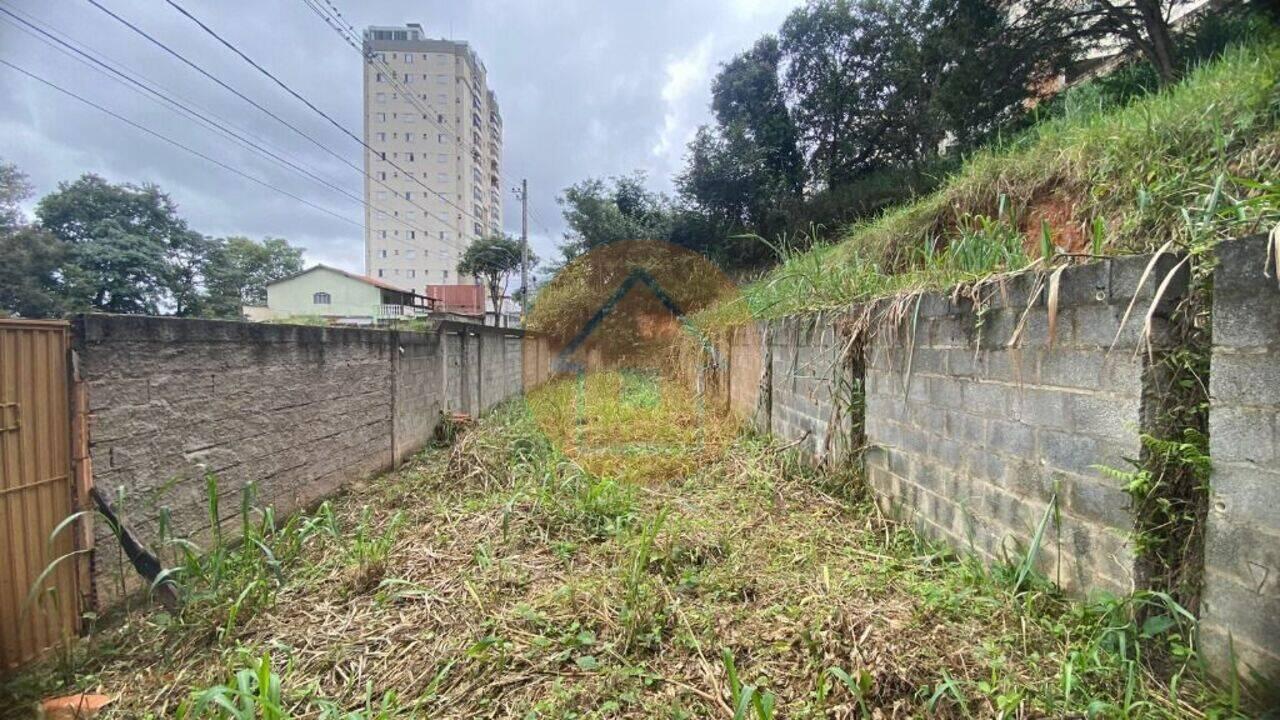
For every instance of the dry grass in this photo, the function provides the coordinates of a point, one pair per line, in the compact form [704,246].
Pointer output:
[529,579]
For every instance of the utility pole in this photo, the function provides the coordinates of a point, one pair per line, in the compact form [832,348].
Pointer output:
[524,248]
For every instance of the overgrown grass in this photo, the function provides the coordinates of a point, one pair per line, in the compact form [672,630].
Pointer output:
[1115,180]
[518,583]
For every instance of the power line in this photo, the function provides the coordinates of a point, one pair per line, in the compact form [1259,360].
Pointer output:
[259,106]
[175,143]
[335,20]
[181,108]
[309,104]
[78,45]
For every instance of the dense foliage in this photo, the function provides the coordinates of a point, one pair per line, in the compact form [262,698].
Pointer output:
[124,248]
[857,106]
[1189,165]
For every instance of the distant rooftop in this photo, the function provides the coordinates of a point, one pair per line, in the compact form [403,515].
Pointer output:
[411,38]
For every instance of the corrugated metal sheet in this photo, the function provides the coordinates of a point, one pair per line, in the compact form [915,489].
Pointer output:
[35,490]
[462,299]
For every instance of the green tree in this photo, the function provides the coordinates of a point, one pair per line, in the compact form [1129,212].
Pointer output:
[128,250]
[749,167]
[29,262]
[238,270]
[621,208]
[841,67]
[494,259]
[29,256]
[1088,24]
[747,94]
[887,83]
[14,188]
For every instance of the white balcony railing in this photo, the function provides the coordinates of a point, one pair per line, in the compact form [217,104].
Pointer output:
[397,312]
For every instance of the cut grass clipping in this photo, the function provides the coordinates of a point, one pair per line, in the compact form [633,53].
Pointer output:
[502,577]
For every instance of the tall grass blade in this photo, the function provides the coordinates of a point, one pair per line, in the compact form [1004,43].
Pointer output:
[1148,321]
[1142,281]
[1054,283]
[1033,550]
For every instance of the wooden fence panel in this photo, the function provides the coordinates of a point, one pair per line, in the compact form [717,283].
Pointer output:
[36,492]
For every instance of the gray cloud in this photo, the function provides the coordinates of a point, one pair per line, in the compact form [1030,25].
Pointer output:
[587,88]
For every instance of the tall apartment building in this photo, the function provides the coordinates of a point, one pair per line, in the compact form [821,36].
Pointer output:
[434,180]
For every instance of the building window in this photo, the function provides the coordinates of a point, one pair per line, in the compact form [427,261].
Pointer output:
[320,298]
[382,253]
[381,272]
[446,274]
[411,254]
[408,58]
[412,272]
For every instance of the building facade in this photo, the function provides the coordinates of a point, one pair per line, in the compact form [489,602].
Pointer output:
[433,177]
[338,297]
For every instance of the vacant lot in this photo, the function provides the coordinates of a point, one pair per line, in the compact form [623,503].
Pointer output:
[610,549]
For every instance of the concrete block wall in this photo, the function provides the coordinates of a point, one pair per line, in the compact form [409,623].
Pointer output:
[976,420]
[497,368]
[809,378]
[969,434]
[1241,601]
[297,411]
[454,371]
[471,372]
[417,373]
[748,386]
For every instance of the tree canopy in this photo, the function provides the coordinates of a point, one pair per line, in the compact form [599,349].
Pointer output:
[620,208]
[128,250]
[494,259]
[239,269]
[124,248]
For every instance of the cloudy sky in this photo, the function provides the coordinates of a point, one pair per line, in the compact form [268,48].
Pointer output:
[587,88]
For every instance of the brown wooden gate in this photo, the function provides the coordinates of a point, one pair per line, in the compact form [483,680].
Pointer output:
[36,490]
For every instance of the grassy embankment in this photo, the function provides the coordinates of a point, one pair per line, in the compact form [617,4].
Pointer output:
[610,550]
[1192,164]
